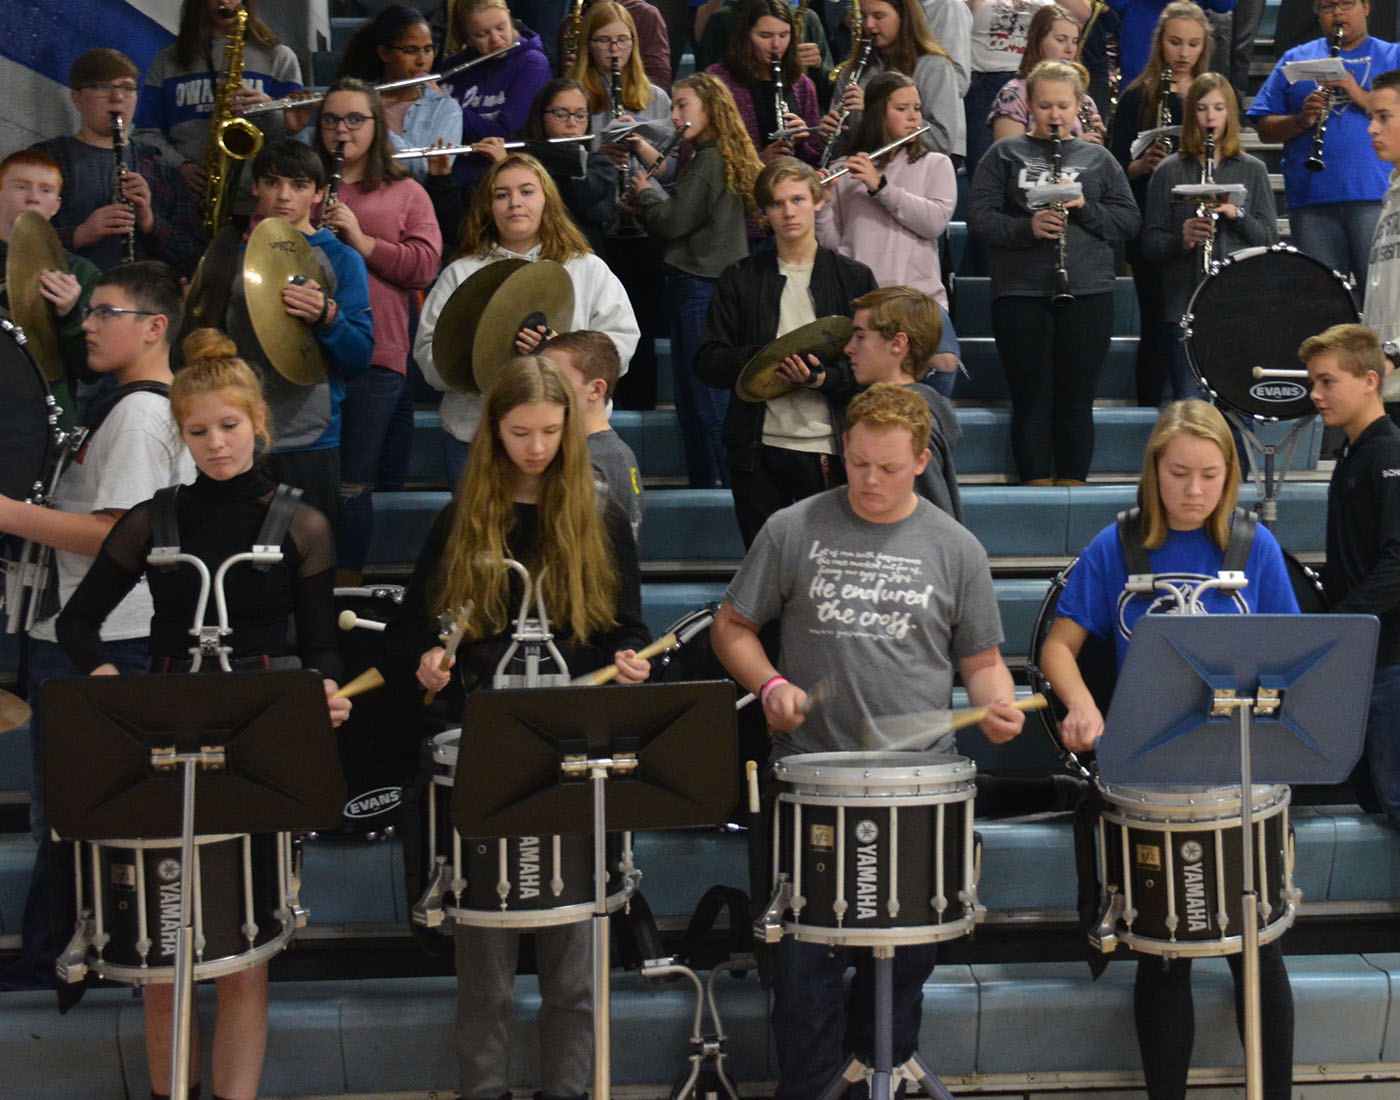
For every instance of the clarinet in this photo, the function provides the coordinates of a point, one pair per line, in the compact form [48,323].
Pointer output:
[856,74]
[672,144]
[780,107]
[1164,108]
[333,188]
[118,192]
[1208,176]
[1315,163]
[1061,297]
[624,171]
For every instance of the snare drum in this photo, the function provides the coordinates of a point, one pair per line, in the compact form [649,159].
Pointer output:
[1253,311]
[28,419]
[245,906]
[1169,864]
[509,882]
[875,848]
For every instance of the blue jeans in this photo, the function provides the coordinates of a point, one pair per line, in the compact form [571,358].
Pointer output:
[454,458]
[1383,740]
[981,94]
[1339,234]
[942,381]
[365,415]
[700,409]
[817,1026]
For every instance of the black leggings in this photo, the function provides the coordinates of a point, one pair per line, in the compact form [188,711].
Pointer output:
[1053,358]
[1166,1022]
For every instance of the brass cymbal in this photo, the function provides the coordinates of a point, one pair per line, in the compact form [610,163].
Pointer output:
[824,338]
[276,253]
[540,293]
[454,336]
[206,301]
[34,247]
[14,711]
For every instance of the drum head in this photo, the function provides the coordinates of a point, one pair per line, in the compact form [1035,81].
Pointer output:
[1254,311]
[26,436]
[1098,664]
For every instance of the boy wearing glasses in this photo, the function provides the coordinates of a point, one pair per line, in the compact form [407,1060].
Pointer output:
[289,181]
[133,448]
[1332,213]
[158,207]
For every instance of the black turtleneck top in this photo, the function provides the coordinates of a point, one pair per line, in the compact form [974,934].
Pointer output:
[216,519]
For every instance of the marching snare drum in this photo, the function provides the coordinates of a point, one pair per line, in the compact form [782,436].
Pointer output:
[245,906]
[1254,310]
[1169,864]
[509,882]
[875,848]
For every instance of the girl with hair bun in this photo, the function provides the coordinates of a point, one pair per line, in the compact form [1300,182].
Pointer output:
[219,410]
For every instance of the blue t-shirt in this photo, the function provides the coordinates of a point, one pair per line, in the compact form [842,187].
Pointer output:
[1353,173]
[1095,596]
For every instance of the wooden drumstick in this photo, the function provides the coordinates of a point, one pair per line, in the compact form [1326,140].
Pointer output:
[970,716]
[368,680]
[751,775]
[451,640]
[605,675]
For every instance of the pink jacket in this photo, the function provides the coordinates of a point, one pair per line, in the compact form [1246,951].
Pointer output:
[896,232]
[406,257]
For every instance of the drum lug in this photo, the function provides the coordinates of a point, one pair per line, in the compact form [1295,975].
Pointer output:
[428,912]
[768,927]
[72,961]
[1104,935]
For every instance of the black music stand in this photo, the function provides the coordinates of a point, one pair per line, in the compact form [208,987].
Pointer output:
[1200,697]
[541,760]
[125,757]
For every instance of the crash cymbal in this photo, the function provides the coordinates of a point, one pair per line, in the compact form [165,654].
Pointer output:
[34,247]
[206,301]
[14,712]
[540,293]
[454,335]
[824,338]
[276,254]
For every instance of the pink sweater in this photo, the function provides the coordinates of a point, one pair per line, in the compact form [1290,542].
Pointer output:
[406,257]
[896,232]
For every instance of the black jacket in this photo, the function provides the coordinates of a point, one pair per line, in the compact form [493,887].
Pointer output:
[1362,574]
[743,317]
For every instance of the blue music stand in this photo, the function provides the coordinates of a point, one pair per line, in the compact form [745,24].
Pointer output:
[1199,697]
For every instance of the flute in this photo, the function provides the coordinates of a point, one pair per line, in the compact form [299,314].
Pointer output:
[880,152]
[407,82]
[462,150]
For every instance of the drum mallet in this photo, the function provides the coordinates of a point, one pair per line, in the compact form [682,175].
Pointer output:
[605,675]
[1278,372]
[348,620]
[368,680]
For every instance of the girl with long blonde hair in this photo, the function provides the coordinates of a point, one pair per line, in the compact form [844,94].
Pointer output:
[527,496]
[516,213]
[704,226]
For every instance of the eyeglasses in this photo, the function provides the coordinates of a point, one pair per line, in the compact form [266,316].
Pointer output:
[103,314]
[1339,6]
[621,42]
[563,114]
[124,88]
[352,122]
[414,51]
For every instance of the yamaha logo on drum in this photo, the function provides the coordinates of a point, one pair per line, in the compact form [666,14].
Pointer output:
[1278,393]
[867,832]
[168,870]
[1191,851]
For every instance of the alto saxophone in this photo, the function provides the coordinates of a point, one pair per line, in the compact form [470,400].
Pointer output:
[232,140]
[573,37]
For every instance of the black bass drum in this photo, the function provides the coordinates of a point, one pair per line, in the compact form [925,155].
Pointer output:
[27,419]
[1253,311]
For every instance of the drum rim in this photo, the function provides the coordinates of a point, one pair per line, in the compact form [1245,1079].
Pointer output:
[827,769]
[573,913]
[1200,949]
[900,934]
[208,968]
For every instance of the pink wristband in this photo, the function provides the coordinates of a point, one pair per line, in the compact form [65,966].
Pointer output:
[768,686]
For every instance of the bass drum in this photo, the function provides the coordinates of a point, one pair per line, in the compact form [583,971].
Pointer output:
[1253,311]
[27,419]
[1098,659]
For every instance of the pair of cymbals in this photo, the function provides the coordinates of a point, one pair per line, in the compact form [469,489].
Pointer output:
[825,338]
[475,333]
[278,254]
[34,247]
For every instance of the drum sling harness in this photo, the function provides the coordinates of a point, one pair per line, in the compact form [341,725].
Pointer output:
[165,531]
[1143,582]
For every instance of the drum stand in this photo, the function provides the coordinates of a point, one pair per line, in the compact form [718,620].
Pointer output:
[1308,677]
[27,580]
[1277,459]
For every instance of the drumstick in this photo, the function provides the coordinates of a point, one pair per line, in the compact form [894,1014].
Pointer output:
[899,731]
[368,680]
[451,640]
[604,675]
[970,716]
[751,774]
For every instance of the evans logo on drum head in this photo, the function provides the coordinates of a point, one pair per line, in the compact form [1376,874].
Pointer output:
[867,832]
[1278,392]
[374,802]
[1191,851]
